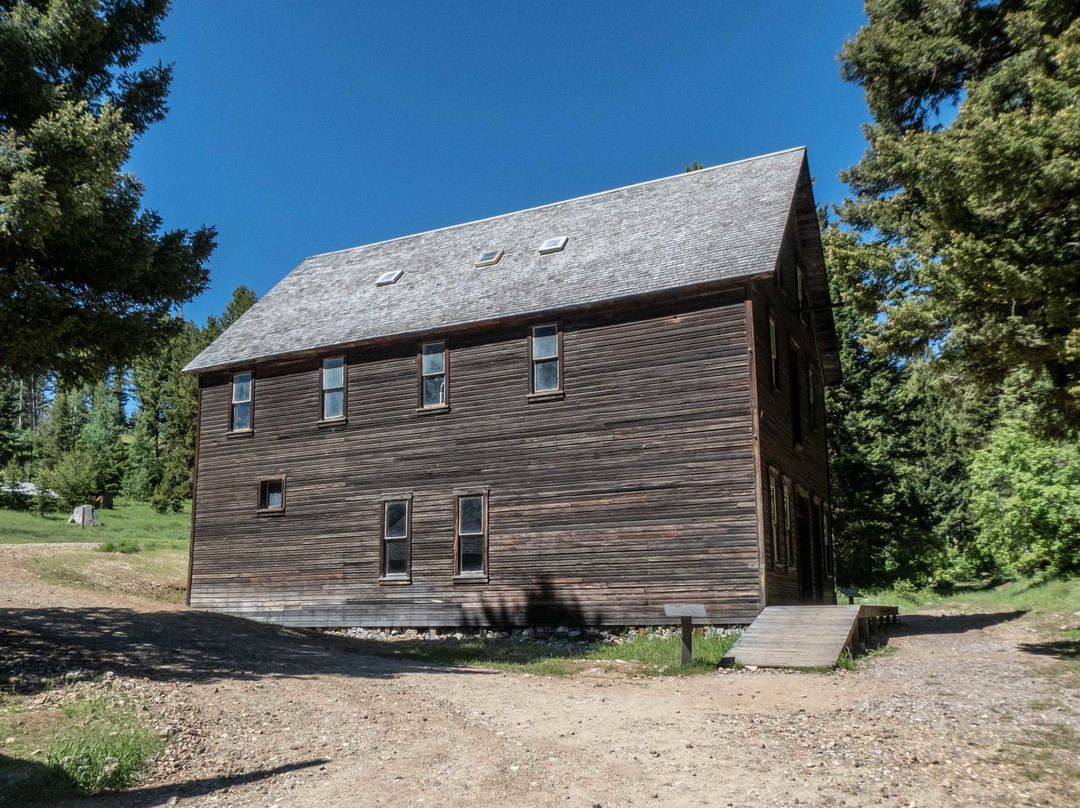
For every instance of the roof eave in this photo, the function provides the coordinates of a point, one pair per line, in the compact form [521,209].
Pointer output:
[695,291]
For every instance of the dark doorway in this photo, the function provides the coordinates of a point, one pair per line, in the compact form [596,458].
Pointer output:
[819,553]
[802,540]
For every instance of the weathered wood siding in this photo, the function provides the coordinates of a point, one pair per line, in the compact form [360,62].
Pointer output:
[804,464]
[638,488]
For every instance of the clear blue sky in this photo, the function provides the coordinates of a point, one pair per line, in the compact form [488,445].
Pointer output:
[303,127]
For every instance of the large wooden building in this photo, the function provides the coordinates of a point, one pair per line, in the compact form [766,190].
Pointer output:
[571,414]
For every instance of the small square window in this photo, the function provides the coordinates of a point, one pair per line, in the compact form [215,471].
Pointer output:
[389,278]
[272,494]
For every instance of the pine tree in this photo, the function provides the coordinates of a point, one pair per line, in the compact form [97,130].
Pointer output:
[101,437]
[986,204]
[899,444]
[87,277]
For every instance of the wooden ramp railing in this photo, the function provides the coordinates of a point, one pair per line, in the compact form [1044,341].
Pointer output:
[805,636]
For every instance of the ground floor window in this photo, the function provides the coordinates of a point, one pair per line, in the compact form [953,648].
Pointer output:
[395,538]
[470,535]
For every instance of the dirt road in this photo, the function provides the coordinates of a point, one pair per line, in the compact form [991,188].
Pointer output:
[258,716]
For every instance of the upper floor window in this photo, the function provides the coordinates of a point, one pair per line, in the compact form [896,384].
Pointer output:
[240,418]
[811,396]
[333,388]
[546,359]
[433,374]
[800,294]
[774,355]
[795,378]
[470,535]
[395,543]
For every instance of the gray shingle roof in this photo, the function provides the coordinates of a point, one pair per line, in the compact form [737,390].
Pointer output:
[705,226]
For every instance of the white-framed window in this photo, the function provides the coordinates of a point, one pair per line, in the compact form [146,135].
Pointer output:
[470,534]
[240,418]
[545,354]
[333,388]
[433,374]
[396,550]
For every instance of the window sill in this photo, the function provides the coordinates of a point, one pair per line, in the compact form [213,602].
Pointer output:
[332,422]
[471,578]
[433,410]
[240,433]
[395,580]
[546,395]
[270,512]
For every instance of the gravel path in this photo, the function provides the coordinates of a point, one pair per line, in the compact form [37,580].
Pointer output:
[260,716]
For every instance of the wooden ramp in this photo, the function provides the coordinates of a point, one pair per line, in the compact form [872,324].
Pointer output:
[804,636]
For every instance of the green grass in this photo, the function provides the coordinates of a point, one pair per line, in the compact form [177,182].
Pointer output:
[126,546]
[158,575]
[1035,597]
[647,656]
[92,745]
[130,523]
[665,653]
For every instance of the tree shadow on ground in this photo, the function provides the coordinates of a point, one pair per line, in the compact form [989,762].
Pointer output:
[41,647]
[146,796]
[1059,649]
[915,624]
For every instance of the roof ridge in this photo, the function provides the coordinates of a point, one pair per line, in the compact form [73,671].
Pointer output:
[554,204]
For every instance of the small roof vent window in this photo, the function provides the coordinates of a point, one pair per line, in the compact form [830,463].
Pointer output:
[388,278]
[489,258]
[553,245]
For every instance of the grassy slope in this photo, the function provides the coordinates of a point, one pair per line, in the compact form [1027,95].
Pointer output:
[154,559]
[128,521]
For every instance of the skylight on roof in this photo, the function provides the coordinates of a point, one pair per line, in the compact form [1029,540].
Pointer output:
[388,278]
[489,258]
[553,245]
